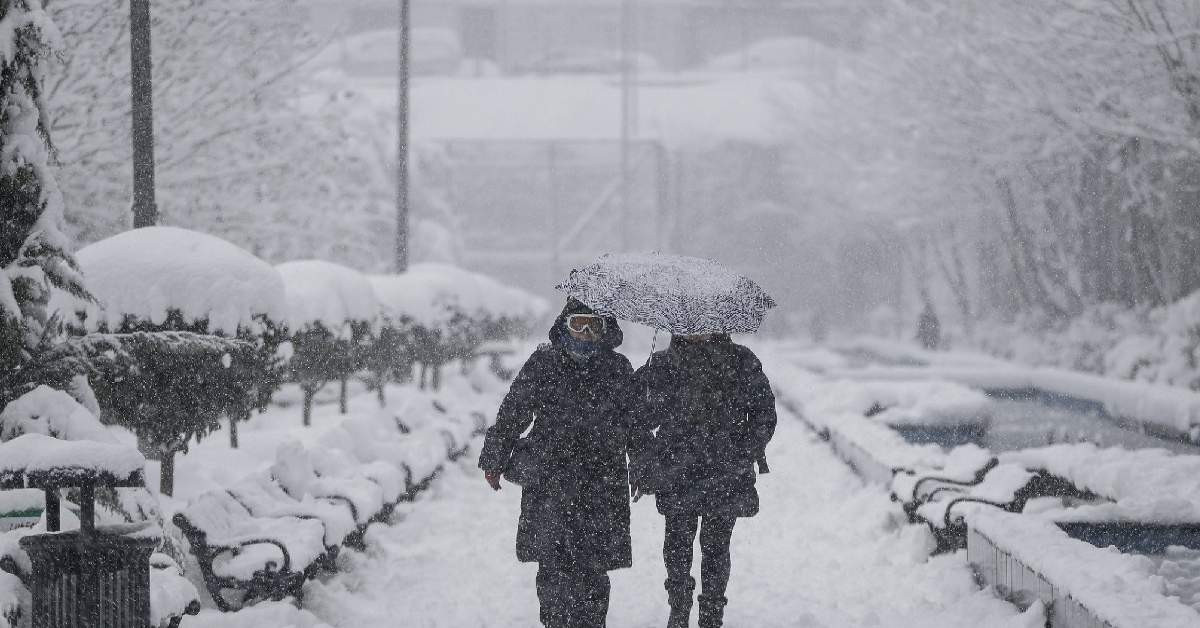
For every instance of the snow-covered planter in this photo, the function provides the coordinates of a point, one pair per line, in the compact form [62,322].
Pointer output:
[450,312]
[199,320]
[332,317]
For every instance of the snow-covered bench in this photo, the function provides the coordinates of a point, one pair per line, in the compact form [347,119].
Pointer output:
[943,497]
[261,557]
[273,529]
[263,496]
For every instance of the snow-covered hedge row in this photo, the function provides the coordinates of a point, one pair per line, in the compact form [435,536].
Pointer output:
[337,321]
[167,293]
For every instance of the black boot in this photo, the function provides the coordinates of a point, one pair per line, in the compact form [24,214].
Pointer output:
[712,611]
[679,596]
[680,615]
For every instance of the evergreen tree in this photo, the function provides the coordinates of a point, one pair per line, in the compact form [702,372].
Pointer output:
[34,260]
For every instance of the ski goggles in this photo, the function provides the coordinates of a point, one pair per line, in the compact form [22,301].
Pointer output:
[581,323]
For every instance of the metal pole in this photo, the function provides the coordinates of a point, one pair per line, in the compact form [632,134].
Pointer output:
[402,142]
[145,211]
[626,115]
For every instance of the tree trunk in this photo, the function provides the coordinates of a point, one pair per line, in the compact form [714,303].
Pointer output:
[308,406]
[436,379]
[233,434]
[166,479]
[343,400]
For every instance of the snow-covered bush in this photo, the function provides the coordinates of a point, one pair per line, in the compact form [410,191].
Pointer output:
[198,323]
[332,317]
[450,312]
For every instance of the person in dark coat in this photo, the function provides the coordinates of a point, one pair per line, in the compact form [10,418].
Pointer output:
[580,396]
[714,413]
[929,330]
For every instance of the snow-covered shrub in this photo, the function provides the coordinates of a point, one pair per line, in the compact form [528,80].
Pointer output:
[452,312]
[332,316]
[390,355]
[198,323]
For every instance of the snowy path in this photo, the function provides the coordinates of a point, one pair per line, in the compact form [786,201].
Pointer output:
[825,552]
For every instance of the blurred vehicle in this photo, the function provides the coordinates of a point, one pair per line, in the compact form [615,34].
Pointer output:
[584,61]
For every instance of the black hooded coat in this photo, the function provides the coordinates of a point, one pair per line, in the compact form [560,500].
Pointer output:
[712,412]
[575,510]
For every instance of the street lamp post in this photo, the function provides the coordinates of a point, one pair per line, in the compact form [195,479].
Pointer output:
[402,231]
[145,211]
[628,115]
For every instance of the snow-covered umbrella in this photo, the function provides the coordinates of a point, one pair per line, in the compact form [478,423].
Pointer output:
[681,295]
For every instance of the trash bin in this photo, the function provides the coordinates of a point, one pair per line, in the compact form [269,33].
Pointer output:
[96,580]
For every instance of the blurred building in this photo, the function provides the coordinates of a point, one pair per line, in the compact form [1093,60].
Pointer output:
[581,35]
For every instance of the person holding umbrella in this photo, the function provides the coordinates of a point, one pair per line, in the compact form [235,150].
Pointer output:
[580,397]
[713,411]
[708,409]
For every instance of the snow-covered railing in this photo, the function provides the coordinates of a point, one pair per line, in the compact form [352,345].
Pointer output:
[1026,557]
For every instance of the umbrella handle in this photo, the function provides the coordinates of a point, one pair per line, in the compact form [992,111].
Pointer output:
[653,346]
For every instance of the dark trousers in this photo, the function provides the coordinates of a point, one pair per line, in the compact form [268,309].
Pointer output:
[572,596]
[715,533]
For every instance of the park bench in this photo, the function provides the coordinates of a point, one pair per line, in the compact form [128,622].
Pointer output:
[943,502]
[262,496]
[262,557]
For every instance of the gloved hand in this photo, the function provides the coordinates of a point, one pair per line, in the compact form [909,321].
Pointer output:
[493,479]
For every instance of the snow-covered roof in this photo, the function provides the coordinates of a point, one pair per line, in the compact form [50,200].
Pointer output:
[327,293]
[426,292]
[148,272]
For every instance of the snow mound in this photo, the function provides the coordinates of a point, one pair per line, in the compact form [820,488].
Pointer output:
[327,293]
[50,412]
[431,294]
[930,402]
[148,272]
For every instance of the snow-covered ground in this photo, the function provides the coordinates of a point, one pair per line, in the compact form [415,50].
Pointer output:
[825,551]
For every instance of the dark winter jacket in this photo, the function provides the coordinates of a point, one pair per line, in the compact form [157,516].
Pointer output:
[576,510]
[714,413]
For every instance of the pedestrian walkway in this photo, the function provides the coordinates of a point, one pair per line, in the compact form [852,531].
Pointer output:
[826,551]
